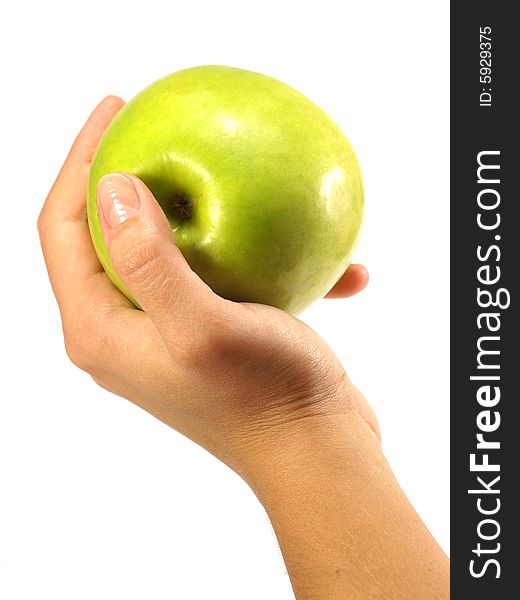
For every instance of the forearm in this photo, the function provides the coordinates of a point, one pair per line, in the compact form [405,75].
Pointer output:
[345,528]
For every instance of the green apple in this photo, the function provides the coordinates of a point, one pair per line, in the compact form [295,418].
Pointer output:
[263,190]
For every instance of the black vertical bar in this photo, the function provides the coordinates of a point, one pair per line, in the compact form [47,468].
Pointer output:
[485,123]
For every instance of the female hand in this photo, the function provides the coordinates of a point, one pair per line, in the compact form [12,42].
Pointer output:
[236,378]
[250,383]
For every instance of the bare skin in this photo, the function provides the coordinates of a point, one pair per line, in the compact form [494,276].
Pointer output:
[253,385]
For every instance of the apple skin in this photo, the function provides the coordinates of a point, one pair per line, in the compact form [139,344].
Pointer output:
[270,185]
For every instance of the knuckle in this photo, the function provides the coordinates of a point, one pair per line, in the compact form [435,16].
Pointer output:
[86,345]
[76,351]
[41,222]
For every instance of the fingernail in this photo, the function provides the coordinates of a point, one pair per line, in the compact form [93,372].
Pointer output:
[117,198]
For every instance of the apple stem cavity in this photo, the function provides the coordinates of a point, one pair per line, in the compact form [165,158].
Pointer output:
[182,206]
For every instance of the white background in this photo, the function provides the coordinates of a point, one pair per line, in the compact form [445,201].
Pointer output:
[97,498]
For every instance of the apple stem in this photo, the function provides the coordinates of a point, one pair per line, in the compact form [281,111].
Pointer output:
[183,206]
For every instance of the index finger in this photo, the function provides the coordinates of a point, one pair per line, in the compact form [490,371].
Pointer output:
[73,267]
[74,171]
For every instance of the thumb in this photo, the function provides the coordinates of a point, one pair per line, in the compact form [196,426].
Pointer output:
[141,245]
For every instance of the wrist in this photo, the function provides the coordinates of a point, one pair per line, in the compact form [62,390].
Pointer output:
[344,526]
[303,448]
